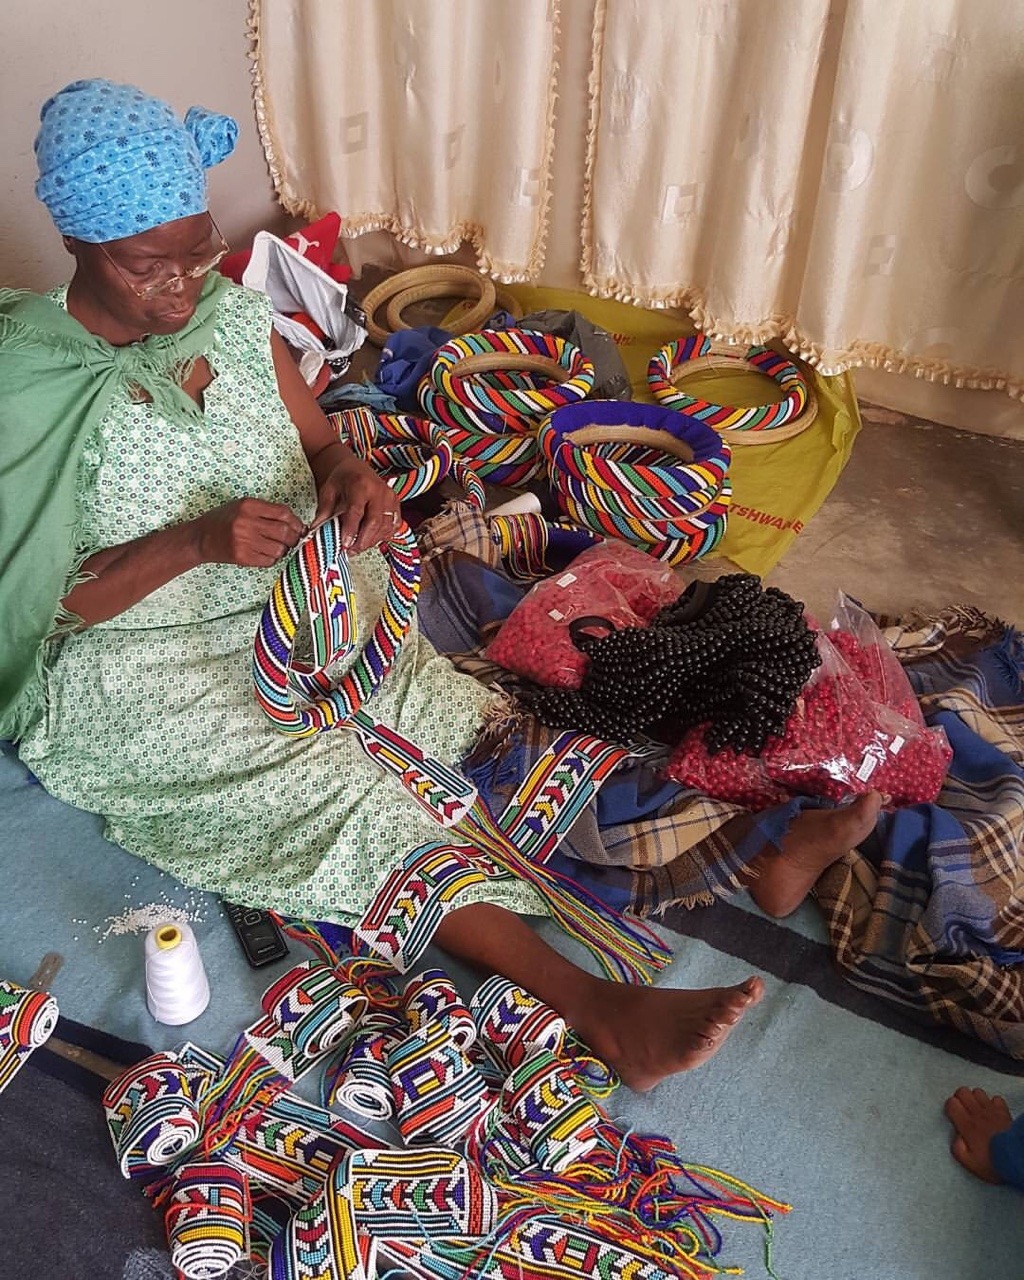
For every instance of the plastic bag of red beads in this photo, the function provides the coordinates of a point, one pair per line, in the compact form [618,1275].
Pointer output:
[857,637]
[839,742]
[606,587]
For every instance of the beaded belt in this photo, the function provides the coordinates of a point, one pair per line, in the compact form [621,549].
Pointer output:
[762,424]
[301,699]
[412,454]
[646,475]
[476,387]
[27,1018]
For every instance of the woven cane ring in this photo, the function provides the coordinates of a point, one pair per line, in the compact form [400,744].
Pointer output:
[679,359]
[503,301]
[493,391]
[435,277]
[300,698]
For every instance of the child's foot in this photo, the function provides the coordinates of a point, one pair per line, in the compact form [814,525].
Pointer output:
[977,1117]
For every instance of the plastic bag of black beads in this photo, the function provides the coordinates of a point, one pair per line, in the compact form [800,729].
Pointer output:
[606,587]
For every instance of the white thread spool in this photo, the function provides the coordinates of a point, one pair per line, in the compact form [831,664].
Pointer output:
[177,989]
[524,504]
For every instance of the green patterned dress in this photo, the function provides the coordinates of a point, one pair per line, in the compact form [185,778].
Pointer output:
[151,719]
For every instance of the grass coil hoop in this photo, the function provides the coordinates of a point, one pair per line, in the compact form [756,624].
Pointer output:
[299,697]
[687,357]
[454,324]
[431,282]
[477,373]
[640,473]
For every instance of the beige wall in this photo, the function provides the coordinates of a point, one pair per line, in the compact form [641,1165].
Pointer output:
[186,51]
[190,51]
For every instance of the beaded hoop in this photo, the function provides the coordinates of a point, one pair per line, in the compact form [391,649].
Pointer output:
[438,277]
[676,360]
[300,698]
[411,454]
[646,475]
[510,349]
[505,458]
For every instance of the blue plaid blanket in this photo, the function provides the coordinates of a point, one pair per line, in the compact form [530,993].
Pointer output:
[928,913]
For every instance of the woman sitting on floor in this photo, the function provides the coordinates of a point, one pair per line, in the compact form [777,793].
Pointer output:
[161,454]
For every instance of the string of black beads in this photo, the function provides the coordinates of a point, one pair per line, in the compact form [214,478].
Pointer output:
[730,653]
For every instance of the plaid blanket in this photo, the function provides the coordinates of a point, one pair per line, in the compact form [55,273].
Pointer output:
[928,913]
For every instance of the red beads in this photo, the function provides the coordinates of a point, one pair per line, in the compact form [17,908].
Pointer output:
[611,583]
[841,739]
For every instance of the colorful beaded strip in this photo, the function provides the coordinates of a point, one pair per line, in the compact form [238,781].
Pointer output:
[673,510]
[320,1199]
[299,698]
[728,417]
[27,1019]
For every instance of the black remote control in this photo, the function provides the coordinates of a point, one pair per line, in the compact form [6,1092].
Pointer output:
[258,932]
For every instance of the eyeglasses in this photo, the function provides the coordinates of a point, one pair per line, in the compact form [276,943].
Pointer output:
[155,288]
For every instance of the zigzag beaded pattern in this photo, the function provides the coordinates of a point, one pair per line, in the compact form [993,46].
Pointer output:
[516,404]
[300,699]
[728,417]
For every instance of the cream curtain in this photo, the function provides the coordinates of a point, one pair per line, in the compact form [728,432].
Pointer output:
[431,119]
[848,176]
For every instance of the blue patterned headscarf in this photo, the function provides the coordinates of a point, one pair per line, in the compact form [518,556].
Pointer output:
[113,161]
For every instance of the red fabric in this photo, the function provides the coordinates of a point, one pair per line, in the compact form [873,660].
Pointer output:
[317,242]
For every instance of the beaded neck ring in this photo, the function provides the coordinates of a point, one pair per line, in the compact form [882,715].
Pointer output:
[412,454]
[758,424]
[646,475]
[479,389]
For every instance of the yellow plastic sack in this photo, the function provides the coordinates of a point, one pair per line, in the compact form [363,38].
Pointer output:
[777,488]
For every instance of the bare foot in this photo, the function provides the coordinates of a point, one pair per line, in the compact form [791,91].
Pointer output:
[782,878]
[977,1117]
[648,1033]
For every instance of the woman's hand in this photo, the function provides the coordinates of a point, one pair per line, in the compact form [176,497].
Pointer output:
[368,509]
[247,531]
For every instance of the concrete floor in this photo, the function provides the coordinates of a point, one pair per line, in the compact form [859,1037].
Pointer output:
[922,517]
